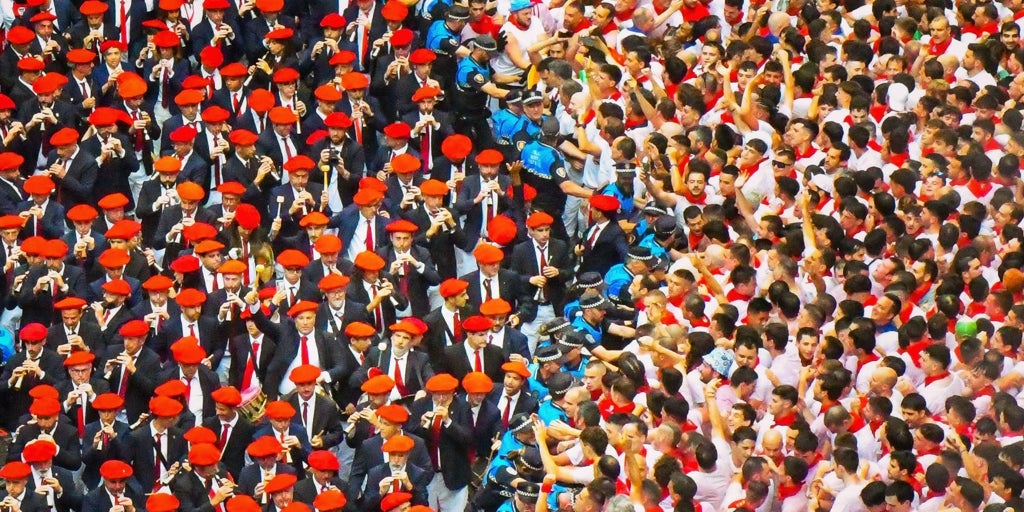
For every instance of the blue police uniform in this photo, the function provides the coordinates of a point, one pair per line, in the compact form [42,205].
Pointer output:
[545,171]
[590,333]
[577,371]
[440,38]
[509,443]
[471,101]
[625,202]
[549,412]
[618,279]
[506,125]
[657,250]
[537,388]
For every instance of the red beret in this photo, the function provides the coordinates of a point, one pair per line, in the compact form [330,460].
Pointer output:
[38,451]
[33,332]
[134,329]
[64,137]
[114,258]
[333,20]
[203,455]
[398,130]
[282,115]
[211,57]
[45,407]
[327,244]
[190,297]
[299,163]
[488,254]
[304,374]
[188,97]
[111,201]
[302,306]
[291,258]
[55,249]
[393,500]
[242,137]
[265,446]
[378,385]
[9,160]
[368,260]
[422,56]
[185,264]
[243,503]
[323,460]
[401,37]
[367,197]
[115,470]
[158,283]
[406,163]
[495,307]
[501,230]
[402,226]
[333,282]
[477,382]
[604,203]
[162,502]
[199,435]
[338,120]
[394,10]
[92,8]
[69,303]
[166,39]
[433,187]
[167,164]
[234,70]
[261,100]
[342,58]
[477,323]
[164,407]
[393,413]
[80,55]
[355,80]
[207,246]
[215,114]
[185,133]
[359,330]
[331,499]
[425,92]
[539,219]
[107,402]
[452,287]
[328,93]
[280,482]
[489,157]
[228,396]
[398,444]
[247,216]
[82,213]
[15,470]
[20,34]
[442,382]
[280,34]
[280,410]
[232,267]
[79,357]
[285,76]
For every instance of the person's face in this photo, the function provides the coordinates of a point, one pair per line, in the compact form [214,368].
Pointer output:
[512,383]
[695,183]
[745,449]
[298,179]
[939,30]
[489,269]
[115,487]
[602,16]
[401,241]
[696,224]
[305,322]
[232,281]
[534,111]
[283,498]
[70,317]
[806,346]
[46,422]
[489,171]
[400,341]
[80,373]
[1010,38]
[746,356]
[573,17]
[306,389]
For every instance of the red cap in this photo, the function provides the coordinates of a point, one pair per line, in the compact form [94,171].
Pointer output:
[38,451]
[157,283]
[134,329]
[285,76]
[227,395]
[333,20]
[304,374]
[477,323]
[539,219]
[15,470]
[327,244]
[164,407]
[69,303]
[370,261]
[355,80]
[265,446]
[452,287]
[203,455]
[333,282]
[162,502]
[190,298]
[406,164]
[331,499]
[367,197]
[393,500]
[394,10]
[280,410]
[247,216]
[185,264]
[44,407]
[20,34]
[107,402]
[302,306]
[242,137]
[33,332]
[489,157]
[338,120]
[604,203]
[425,92]
[359,330]
[243,503]
[114,258]
[501,230]
[80,55]
[280,482]
[421,56]
[378,385]
[166,39]
[64,137]
[167,164]
[282,115]
[398,130]
[402,226]
[401,37]
[488,254]
[398,444]
[477,382]
[291,258]
[79,357]
[234,70]
[115,470]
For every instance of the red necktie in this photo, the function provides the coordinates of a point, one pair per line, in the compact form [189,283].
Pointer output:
[359,130]
[216,285]
[287,149]
[122,390]
[478,366]
[158,455]
[140,136]
[305,413]
[235,103]
[378,312]
[488,294]
[224,436]
[458,328]
[399,380]
[165,88]
[507,412]
[124,23]
[81,420]
[192,330]
[304,347]
[592,238]
[369,235]
[543,263]
[249,367]
[425,149]
[404,283]
[435,438]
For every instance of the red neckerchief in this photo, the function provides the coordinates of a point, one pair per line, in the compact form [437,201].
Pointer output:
[975,309]
[752,168]
[623,16]
[695,13]
[959,182]
[581,26]
[932,494]
[785,420]
[698,199]
[515,23]
[936,49]
[873,144]
[800,155]
[992,145]
[615,96]
[676,301]
[634,124]
[737,504]
[591,114]
[898,159]
[935,450]
[915,483]
[857,423]
[861,361]
[694,240]
[785,491]
[1018,15]
[484,26]
[998,317]
[878,112]
[870,301]
[714,101]
[987,390]
[815,460]
[914,351]
[701,322]
[919,293]
[609,28]
[928,380]
[979,188]
[734,295]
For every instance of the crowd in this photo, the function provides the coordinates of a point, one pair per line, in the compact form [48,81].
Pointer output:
[511,256]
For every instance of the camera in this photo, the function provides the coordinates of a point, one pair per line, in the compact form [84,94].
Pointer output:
[334,158]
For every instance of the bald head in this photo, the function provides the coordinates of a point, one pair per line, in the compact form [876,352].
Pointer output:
[714,255]
[883,379]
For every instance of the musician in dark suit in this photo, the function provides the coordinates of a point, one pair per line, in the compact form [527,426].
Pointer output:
[491,281]
[474,354]
[443,422]
[25,370]
[48,283]
[17,475]
[342,152]
[199,379]
[73,168]
[279,143]
[550,282]
[242,355]
[324,471]
[228,421]
[438,231]
[411,265]
[604,244]
[264,452]
[429,126]
[361,226]
[46,412]
[396,142]
[43,216]
[377,289]
[117,481]
[513,396]
[382,480]
[444,324]
[316,57]
[363,15]
[365,111]
[210,32]
[99,436]
[12,191]
[159,441]
[173,218]
[64,495]
[300,197]
[357,338]
[295,437]
[62,116]
[81,386]
[509,340]
[194,488]
[401,90]
[113,312]
[317,413]
[141,363]
[369,454]
[483,198]
[397,360]
[336,311]
[115,154]
[297,343]
[484,417]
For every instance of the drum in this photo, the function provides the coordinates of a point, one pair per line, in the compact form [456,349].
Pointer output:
[254,404]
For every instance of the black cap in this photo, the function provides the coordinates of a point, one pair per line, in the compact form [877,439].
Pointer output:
[530,459]
[528,492]
[557,325]
[665,225]
[560,383]
[625,168]
[550,127]
[519,422]
[484,42]
[641,254]
[532,96]
[548,354]
[458,12]
[590,280]
[573,340]
[514,96]
[653,209]
[593,300]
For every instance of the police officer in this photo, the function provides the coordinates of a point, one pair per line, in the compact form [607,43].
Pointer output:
[445,38]
[475,84]
[619,277]
[508,121]
[533,112]
[546,172]
[500,485]
[525,498]
[622,188]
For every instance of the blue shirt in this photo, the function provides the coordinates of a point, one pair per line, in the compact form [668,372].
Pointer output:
[506,125]
[618,279]
[549,412]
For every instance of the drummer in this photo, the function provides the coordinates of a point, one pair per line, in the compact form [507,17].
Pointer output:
[233,430]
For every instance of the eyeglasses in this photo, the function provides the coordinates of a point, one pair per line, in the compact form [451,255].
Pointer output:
[779,163]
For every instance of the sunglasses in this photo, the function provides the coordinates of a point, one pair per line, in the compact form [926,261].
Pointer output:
[778,163]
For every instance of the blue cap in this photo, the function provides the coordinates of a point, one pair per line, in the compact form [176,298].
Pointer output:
[518,5]
[719,360]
